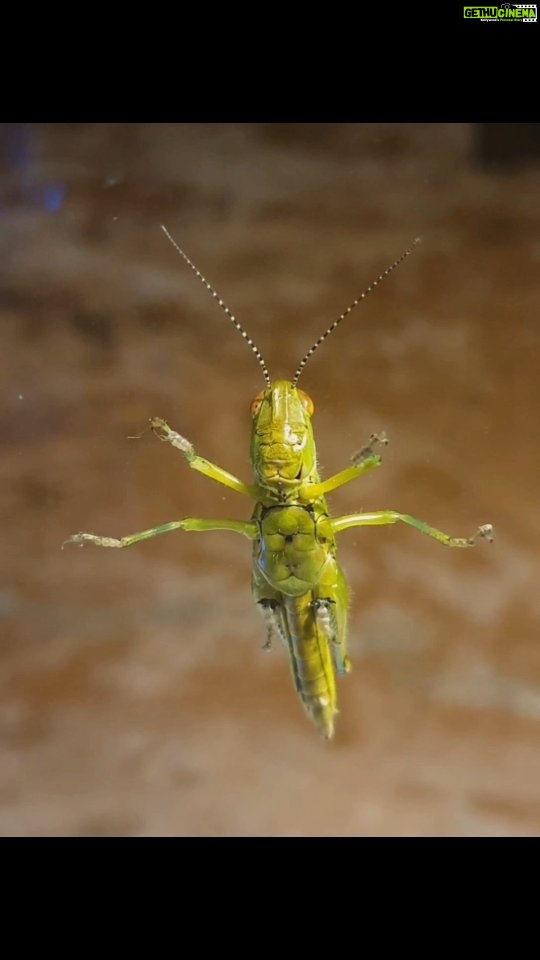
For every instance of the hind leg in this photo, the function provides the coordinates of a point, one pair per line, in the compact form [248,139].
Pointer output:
[330,603]
[269,602]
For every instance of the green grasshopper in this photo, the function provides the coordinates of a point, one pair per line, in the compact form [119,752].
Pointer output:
[297,582]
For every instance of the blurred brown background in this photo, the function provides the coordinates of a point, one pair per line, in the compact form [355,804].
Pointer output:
[135,698]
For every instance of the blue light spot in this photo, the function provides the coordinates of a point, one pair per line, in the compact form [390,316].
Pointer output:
[54,195]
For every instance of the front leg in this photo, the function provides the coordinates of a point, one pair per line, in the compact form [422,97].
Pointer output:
[363,461]
[248,528]
[164,432]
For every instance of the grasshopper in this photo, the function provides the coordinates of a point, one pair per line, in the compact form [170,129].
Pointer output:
[297,582]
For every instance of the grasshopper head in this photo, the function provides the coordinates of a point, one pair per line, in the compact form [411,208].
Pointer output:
[282,445]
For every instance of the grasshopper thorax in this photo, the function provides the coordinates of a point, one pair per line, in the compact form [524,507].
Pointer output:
[282,445]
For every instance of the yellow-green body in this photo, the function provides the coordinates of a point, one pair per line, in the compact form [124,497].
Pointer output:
[294,555]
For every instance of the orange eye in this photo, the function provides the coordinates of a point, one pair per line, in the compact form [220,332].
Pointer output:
[307,402]
[256,403]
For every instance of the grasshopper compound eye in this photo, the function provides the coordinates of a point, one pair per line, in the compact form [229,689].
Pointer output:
[256,403]
[307,402]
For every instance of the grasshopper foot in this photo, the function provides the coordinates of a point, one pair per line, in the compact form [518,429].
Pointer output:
[366,453]
[163,432]
[484,532]
[81,538]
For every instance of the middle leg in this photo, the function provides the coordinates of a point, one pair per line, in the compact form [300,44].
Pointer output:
[384,517]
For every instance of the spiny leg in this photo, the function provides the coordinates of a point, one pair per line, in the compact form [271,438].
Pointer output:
[191,524]
[164,432]
[362,462]
[273,617]
[270,603]
[330,606]
[383,517]
[327,622]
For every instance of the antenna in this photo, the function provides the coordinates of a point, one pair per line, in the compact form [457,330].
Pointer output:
[346,312]
[223,306]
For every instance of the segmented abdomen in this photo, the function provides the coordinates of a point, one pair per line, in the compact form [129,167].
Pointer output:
[311,661]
